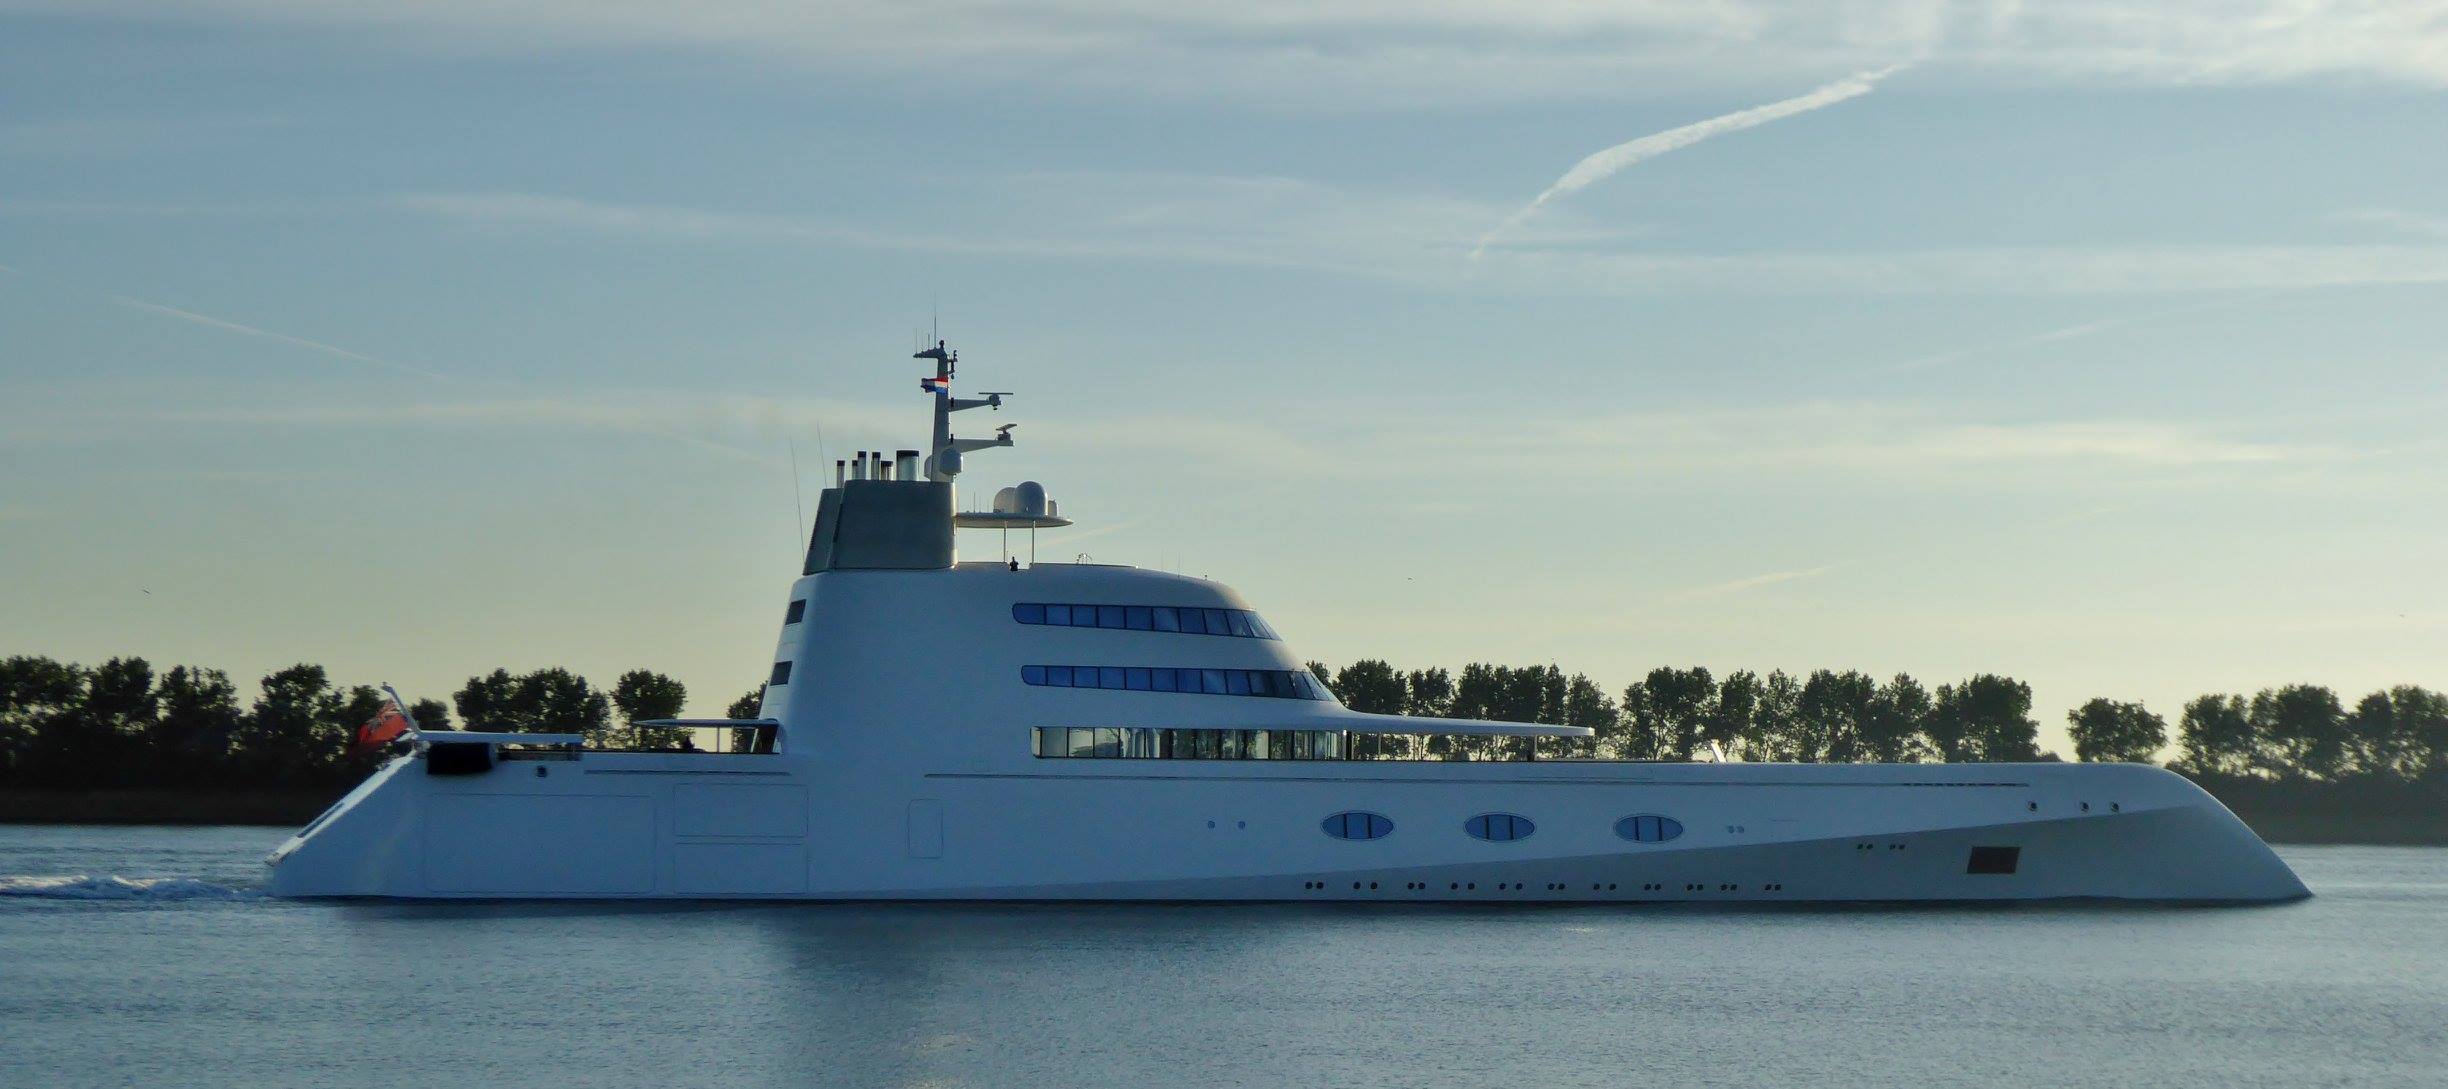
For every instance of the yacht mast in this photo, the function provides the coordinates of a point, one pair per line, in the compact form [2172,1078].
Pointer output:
[943,460]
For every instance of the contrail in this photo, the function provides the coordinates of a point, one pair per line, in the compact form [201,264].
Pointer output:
[1606,163]
[210,322]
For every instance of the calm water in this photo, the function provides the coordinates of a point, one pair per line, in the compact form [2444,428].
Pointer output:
[177,975]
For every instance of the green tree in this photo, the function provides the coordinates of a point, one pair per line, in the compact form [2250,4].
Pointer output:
[565,703]
[2376,743]
[1669,711]
[1585,705]
[2107,730]
[1776,718]
[547,701]
[490,702]
[1428,693]
[1478,692]
[37,695]
[642,694]
[2300,731]
[1729,720]
[742,709]
[747,706]
[430,714]
[1371,686]
[93,738]
[1985,718]
[293,735]
[2215,737]
[1892,730]
[2422,717]
[194,737]
[1834,707]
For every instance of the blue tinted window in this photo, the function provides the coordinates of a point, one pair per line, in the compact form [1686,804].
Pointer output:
[1500,827]
[1357,825]
[781,673]
[1648,828]
[796,612]
[1271,683]
[1193,621]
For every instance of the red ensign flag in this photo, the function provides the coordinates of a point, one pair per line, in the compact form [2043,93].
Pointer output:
[386,725]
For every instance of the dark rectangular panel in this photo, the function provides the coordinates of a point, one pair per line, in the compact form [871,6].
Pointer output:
[1994,860]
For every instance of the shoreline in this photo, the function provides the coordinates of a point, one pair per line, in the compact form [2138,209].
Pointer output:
[2303,813]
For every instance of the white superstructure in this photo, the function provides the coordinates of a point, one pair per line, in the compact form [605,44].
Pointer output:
[989,730]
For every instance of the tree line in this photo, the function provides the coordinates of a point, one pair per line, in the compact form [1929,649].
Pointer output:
[120,725]
[2294,732]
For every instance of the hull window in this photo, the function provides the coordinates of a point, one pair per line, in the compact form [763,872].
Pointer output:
[1994,860]
[796,613]
[1357,825]
[1499,827]
[781,673]
[1648,828]
[1231,623]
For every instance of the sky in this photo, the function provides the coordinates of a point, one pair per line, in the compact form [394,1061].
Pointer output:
[2093,343]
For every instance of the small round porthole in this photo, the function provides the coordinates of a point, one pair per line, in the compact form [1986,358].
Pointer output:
[1500,827]
[1355,824]
[1648,828]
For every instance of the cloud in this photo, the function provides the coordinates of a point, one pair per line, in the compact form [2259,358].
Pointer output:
[1855,442]
[2076,331]
[736,426]
[101,136]
[1736,586]
[2411,223]
[1420,239]
[1606,163]
[1391,54]
[648,424]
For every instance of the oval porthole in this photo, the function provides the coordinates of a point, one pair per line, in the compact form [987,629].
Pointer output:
[1499,827]
[1354,824]
[1648,828]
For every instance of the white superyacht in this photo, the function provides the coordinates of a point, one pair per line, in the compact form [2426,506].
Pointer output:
[943,730]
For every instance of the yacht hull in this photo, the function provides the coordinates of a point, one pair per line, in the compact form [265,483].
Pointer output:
[636,826]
